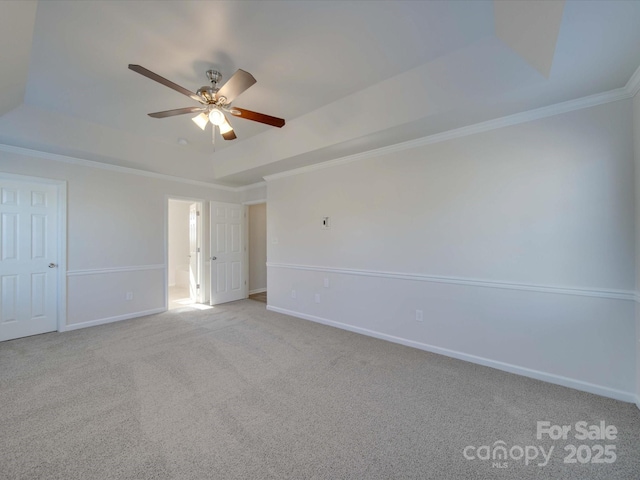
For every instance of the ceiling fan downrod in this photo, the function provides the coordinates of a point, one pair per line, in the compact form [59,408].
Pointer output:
[208,92]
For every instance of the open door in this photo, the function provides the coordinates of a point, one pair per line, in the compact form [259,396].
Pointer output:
[228,245]
[194,252]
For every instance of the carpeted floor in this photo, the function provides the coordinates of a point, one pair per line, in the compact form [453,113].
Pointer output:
[237,392]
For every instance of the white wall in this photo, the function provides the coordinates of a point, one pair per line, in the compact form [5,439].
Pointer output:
[178,263]
[116,226]
[516,244]
[256,193]
[257,247]
[636,138]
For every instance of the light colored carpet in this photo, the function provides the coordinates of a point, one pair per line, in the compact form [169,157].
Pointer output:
[237,392]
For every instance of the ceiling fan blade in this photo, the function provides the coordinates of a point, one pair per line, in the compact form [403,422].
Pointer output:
[257,117]
[177,111]
[237,84]
[167,83]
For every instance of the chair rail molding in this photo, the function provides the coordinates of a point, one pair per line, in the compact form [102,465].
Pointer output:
[129,268]
[627,295]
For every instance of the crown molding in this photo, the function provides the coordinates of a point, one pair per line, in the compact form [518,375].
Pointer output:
[628,91]
[244,188]
[502,122]
[107,166]
[633,85]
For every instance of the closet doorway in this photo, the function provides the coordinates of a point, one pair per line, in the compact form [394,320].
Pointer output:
[258,252]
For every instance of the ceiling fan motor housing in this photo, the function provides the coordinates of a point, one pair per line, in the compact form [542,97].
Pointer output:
[208,92]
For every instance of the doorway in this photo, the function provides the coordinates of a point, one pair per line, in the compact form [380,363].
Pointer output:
[184,253]
[258,252]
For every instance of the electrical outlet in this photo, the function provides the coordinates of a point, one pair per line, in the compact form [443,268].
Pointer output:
[326,283]
[419,315]
[129,296]
[317,298]
[293,294]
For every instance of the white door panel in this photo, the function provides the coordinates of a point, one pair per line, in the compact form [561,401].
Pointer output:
[227,250]
[28,258]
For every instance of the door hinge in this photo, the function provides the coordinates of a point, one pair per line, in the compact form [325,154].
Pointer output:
[197,214]
[198,249]
[198,285]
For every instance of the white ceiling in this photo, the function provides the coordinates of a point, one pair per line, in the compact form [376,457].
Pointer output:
[346,75]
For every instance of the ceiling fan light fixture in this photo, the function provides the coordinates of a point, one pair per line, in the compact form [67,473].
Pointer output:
[216,117]
[201,120]
[225,127]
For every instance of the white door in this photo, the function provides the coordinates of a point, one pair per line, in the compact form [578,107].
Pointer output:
[228,281]
[28,258]
[194,253]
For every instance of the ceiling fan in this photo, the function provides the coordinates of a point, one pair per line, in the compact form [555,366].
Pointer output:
[215,100]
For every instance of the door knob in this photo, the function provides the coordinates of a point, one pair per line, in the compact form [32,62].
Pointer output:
[52,265]
[214,258]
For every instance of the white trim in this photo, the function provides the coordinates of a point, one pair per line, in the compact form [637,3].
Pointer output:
[62,254]
[251,187]
[107,166]
[117,318]
[502,122]
[61,187]
[633,85]
[257,290]
[255,202]
[506,367]
[99,271]
[600,293]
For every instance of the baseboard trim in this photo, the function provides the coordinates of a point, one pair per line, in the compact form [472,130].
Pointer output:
[506,367]
[117,318]
[257,290]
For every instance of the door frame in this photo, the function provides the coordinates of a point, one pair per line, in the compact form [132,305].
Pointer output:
[246,253]
[204,248]
[61,189]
